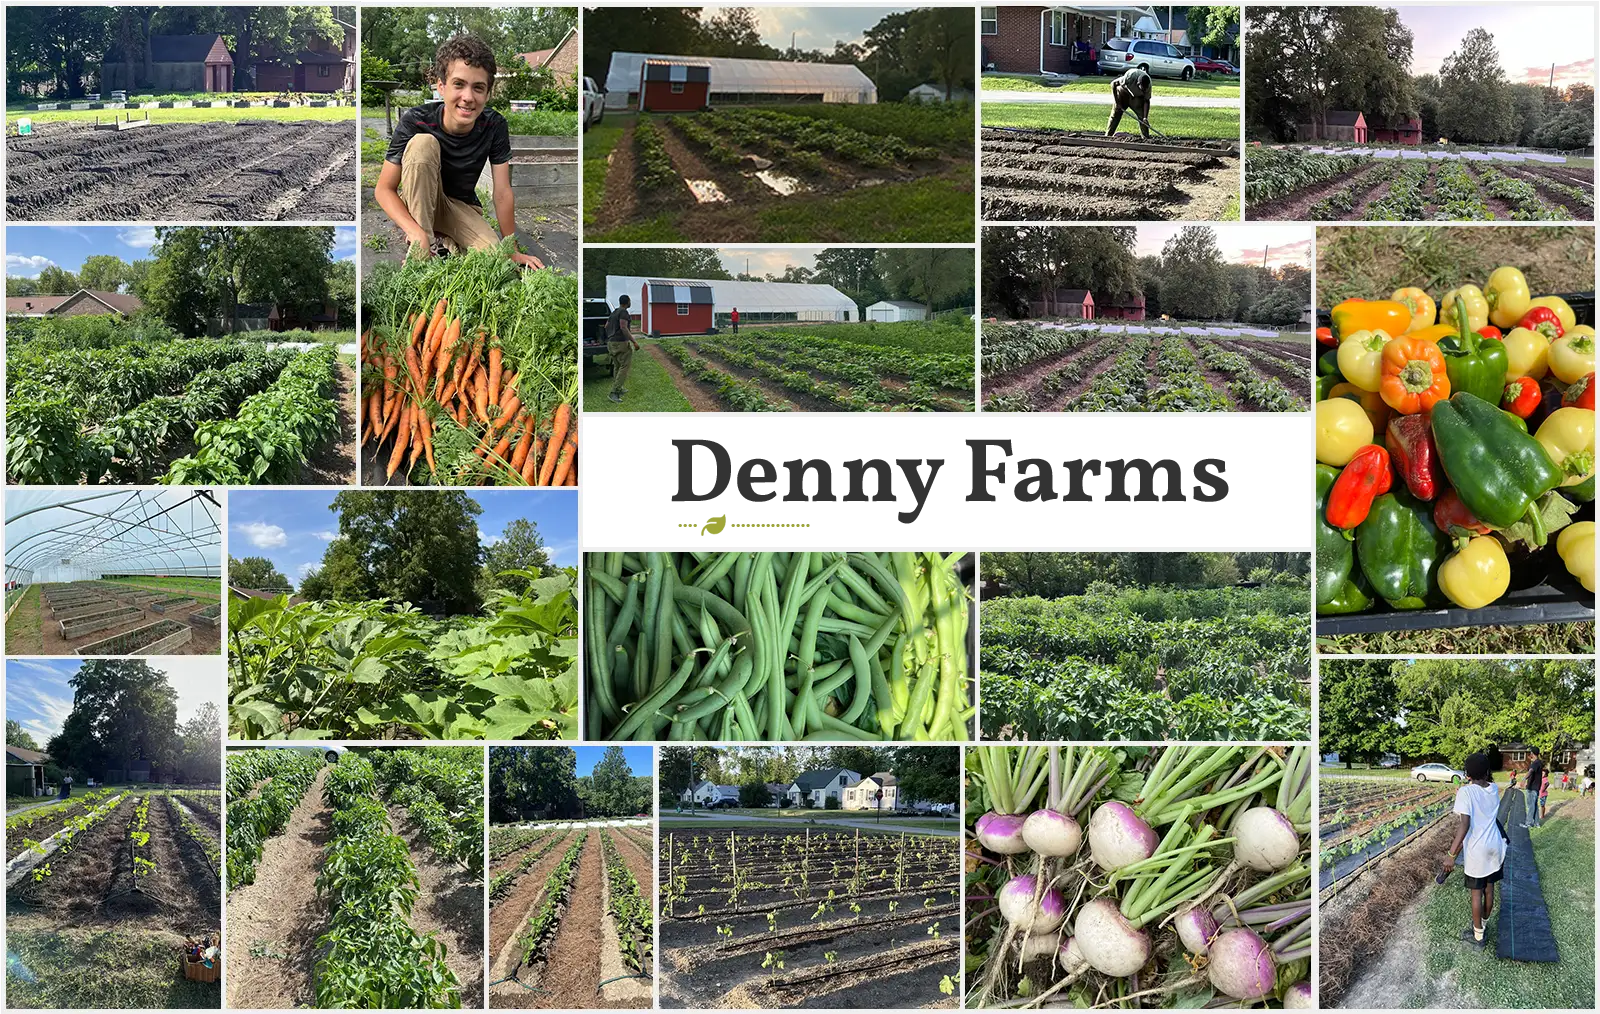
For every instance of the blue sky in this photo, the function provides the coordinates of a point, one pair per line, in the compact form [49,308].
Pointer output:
[37,694]
[292,528]
[638,758]
[32,248]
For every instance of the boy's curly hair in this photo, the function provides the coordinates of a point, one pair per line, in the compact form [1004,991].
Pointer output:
[469,49]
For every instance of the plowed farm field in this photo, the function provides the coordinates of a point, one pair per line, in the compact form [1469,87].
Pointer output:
[1031,368]
[1078,176]
[252,171]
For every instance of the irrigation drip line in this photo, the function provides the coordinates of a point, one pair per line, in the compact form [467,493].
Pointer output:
[614,978]
[524,985]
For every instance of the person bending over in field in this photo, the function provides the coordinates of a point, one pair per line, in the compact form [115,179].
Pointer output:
[1131,92]
[429,182]
[1478,833]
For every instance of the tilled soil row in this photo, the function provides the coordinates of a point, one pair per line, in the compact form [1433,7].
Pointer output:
[1294,206]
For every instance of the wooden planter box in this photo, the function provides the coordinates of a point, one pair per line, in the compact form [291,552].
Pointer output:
[71,629]
[141,598]
[197,970]
[68,594]
[199,617]
[162,607]
[75,601]
[159,637]
[86,610]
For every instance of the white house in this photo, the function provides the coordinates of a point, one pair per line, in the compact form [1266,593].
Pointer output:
[708,793]
[888,310]
[815,788]
[880,791]
[927,92]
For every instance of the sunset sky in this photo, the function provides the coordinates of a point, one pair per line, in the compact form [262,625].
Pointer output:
[1530,38]
[1240,244]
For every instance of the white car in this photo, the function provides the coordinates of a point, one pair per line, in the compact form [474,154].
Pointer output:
[593,101]
[331,752]
[1438,773]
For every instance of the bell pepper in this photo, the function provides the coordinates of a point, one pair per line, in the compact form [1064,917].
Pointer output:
[1544,320]
[1490,331]
[1508,296]
[1521,397]
[1352,315]
[1568,436]
[1371,402]
[1498,469]
[1563,311]
[1433,333]
[1572,355]
[1474,364]
[1361,358]
[1452,518]
[1342,430]
[1414,375]
[1527,353]
[1325,336]
[1409,439]
[1421,305]
[1325,385]
[1366,477]
[1341,587]
[1328,363]
[1551,392]
[1580,394]
[1476,574]
[1399,550]
[1575,545]
[1477,306]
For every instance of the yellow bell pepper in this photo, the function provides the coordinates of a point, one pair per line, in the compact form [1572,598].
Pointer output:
[1571,355]
[1527,353]
[1371,402]
[1576,546]
[1564,313]
[1342,429]
[1477,306]
[1477,574]
[1508,296]
[1568,434]
[1423,311]
[1432,333]
[1386,315]
[1361,358]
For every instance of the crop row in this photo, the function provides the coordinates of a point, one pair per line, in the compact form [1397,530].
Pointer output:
[630,907]
[1179,385]
[253,820]
[443,793]
[1246,385]
[811,134]
[504,841]
[504,881]
[1526,203]
[1455,193]
[799,381]
[1120,388]
[69,832]
[557,887]
[139,840]
[1339,203]
[861,363]
[42,814]
[655,171]
[741,395]
[1008,347]
[194,829]
[1275,172]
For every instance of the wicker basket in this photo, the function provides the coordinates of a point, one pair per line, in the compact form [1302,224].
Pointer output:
[198,971]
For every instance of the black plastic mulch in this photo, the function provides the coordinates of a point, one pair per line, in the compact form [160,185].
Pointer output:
[1523,930]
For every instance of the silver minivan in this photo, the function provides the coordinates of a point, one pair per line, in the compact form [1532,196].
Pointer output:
[1159,59]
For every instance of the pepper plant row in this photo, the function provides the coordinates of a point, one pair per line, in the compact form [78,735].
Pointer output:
[283,776]
[631,908]
[536,939]
[442,791]
[504,881]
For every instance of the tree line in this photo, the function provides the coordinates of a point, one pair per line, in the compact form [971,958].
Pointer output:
[925,774]
[1188,280]
[398,44]
[1303,62]
[1058,575]
[1445,710]
[901,51]
[542,783]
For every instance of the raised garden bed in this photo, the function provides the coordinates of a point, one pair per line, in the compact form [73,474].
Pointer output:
[78,601]
[150,639]
[68,613]
[71,629]
[210,616]
[171,603]
[140,597]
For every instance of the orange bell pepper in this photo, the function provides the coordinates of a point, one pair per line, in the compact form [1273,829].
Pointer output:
[1387,315]
[1413,376]
[1433,332]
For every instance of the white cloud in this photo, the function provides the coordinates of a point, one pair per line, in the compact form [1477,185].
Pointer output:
[27,265]
[305,569]
[344,242]
[142,237]
[263,535]
[327,536]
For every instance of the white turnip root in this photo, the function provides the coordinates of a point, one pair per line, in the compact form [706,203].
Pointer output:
[1109,943]
[1118,837]
[1072,958]
[1196,928]
[1020,910]
[1052,834]
[1037,946]
[1266,840]
[1242,965]
[1298,997]
[1001,832]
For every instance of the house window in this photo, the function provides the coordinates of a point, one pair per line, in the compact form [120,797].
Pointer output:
[1058,28]
[683,309]
[323,70]
[677,87]
[989,20]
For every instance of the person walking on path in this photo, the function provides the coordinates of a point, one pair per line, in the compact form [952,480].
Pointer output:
[1131,92]
[66,786]
[1534,787]
[621,344]
[1480,843]
[735,317]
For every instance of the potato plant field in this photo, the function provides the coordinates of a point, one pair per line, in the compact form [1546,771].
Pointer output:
[1413,185]
[1193,664]
[770,918]
[571,917]
[1115,368]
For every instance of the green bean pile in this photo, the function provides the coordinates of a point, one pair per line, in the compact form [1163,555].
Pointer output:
[776,646]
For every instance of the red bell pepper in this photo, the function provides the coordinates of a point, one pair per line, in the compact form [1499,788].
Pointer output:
[1409,439]
[1522,396]
[1490,331]
[1580,394]
[1453,518]
[1325,336]
[1360,482]
[1543,320]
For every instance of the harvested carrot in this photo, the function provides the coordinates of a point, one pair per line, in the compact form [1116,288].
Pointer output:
[398,454]
[452,335]
[530,467]
[519,457]
[427,444]
[503,447]
[438,315]
[480,396]
[494,373]
[417,327]
[413,369]
[558,438]
[418,420]
[569,452]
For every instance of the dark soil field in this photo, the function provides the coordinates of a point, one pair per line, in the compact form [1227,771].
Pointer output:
[1065,176]
[252,171]
[205,640]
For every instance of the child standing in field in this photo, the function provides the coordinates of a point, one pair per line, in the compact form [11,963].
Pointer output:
[1478,835]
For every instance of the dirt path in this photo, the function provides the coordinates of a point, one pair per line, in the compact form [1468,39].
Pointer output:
[572,973]
[274,923]
[450,906]
[507,915]
[698,397]
[334,464]
[620,200]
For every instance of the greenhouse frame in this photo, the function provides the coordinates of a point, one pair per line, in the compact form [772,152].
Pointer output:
[758,302]
[737,81]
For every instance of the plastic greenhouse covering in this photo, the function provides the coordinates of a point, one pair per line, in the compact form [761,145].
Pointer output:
[807,301]
[835,82]
[78,535]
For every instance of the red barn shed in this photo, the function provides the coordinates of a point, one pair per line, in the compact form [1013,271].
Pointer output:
[1074,303]
[1121,308]
[670,308]
[674,86]
[1399,132]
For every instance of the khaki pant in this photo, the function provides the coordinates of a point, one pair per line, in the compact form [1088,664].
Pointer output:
[437,212]
[621,364]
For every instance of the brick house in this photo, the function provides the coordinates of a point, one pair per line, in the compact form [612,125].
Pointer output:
[1408,131]
[1052,40]
[1338,125]
[561,61]
[320,66]
[81,303]
[1075,304]
[178,63]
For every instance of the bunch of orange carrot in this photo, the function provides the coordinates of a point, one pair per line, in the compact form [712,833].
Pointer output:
[441,367]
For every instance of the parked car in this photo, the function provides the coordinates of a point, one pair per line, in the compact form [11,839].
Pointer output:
[1210,66]
[1159,59]
[330,752]
[1438,773]
[595,313]
[593,98]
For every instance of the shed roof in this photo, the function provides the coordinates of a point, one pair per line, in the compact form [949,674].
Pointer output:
[904,304]
[18,755]
[812,780]
[1343,118]
[179,49]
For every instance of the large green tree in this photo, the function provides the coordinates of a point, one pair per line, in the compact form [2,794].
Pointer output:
[927,774]
[341,577]
[123,710]
[1476,100]
[529,781]
[612,786]
[256,572]
[1026,263]
[16,735]
[935,276]
[206,271]
[1358,710]
[1194,279]
[520,547]
[418,547]
[103,273]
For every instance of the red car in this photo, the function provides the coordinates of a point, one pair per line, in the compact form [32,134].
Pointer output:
[1205,64]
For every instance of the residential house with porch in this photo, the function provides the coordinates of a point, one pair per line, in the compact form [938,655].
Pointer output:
[815,788]
[878,791]
[1055,40]
[708,793]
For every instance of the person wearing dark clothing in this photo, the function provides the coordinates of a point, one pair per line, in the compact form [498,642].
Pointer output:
[735,317]
[621,344]
[1131,92]
[1532,790]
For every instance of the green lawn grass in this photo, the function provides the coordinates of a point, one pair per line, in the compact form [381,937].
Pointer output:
[597,145]
[22,626]
[1177,121]
[99,969]
[204,115]
[937,210]
[544,123]
[1217,87]
[200,587]
[649,389]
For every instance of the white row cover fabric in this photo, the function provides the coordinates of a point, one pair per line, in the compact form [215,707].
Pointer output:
[749,297]
[1471,156]
[836,82]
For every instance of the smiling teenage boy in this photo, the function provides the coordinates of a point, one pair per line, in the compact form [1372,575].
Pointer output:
[428,184]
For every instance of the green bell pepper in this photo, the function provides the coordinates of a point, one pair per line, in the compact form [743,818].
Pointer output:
[1326,383]
[1475,364]
[1400,549]
[1496,468]
[1341,587]
[1328,364]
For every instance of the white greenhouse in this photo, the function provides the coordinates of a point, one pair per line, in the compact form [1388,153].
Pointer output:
[890,310]
[739,81]
[757,302]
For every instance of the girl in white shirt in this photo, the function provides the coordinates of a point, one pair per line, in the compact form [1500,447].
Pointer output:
[1478,835]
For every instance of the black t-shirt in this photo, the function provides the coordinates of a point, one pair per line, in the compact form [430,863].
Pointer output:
[461,156]
[614,323]
[1535,776]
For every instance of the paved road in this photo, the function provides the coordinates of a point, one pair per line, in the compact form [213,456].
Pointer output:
[1104,99]
[865,825]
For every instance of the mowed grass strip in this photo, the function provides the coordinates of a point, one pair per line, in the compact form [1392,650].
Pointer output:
[1219,87]
[330,114]
[934,210]
[1527,639]
[1178,121]
[649,389]
[23,635]
[100,969]
[597,146]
